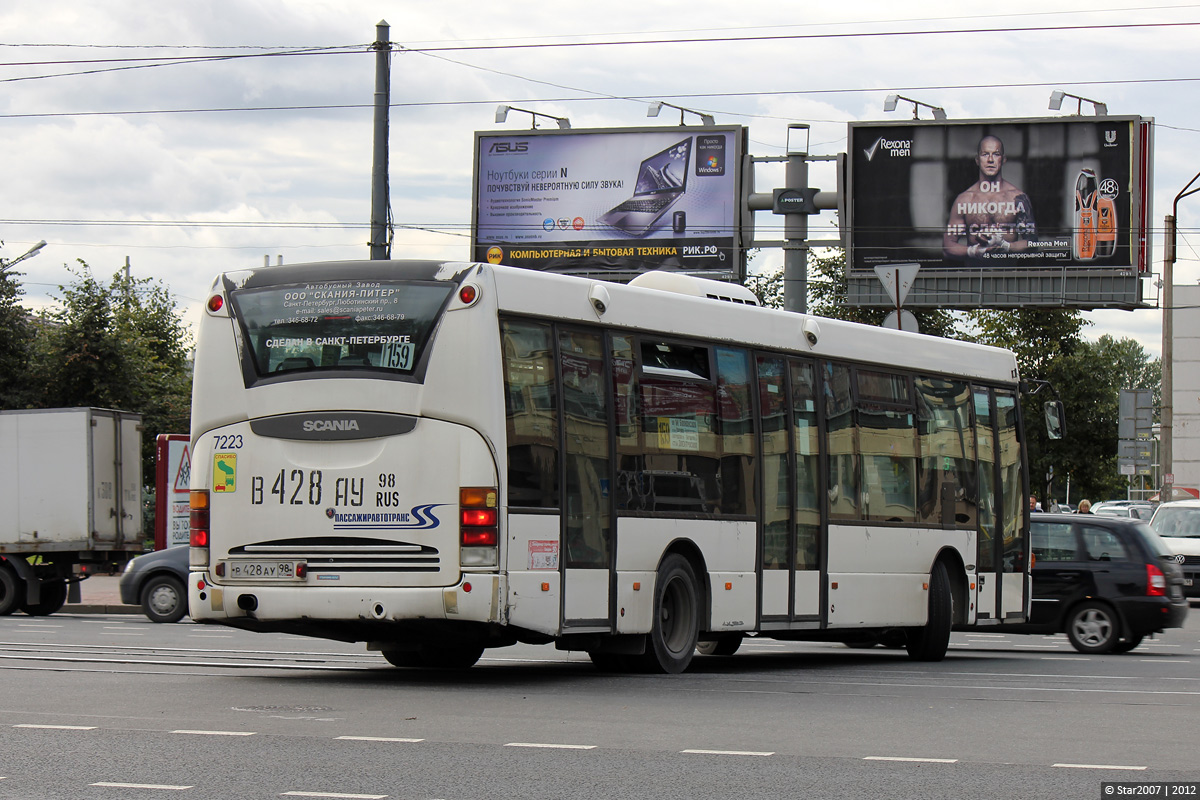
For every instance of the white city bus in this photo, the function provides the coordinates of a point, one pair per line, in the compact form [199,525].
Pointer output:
[438,458]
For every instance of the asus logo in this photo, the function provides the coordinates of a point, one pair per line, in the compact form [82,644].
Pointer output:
[509,147]
[311,425]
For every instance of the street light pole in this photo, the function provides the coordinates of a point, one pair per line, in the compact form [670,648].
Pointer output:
[1167,415]
[30,253]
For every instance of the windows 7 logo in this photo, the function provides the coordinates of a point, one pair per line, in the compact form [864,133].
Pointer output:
[713,162]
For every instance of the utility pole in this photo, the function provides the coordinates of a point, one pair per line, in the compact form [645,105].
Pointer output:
[380,200]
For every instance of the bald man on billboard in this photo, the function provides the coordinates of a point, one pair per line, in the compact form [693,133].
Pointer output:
[992,217]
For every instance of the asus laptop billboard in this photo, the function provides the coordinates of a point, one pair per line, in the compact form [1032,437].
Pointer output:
[1068,193]
[610,203]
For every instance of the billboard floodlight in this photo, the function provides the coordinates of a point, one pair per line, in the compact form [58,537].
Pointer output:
[1056,99]
[889,104]
[502,114]
[656,106]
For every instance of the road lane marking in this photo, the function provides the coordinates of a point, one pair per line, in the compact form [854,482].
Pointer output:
[335,795]
[376,739]
[552,746]
[905,758]
[216,733]
[727,752]
[110,785]
[1096,766]
[58,727]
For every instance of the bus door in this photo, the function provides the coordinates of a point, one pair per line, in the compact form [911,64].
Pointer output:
[586,492]
[986,563]
[790,575]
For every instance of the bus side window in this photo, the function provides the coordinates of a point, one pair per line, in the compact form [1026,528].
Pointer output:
[531,411]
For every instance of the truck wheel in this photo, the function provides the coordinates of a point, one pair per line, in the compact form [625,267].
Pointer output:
[54,596]
[931,642]
[163,599]
[11,591]
[676,626]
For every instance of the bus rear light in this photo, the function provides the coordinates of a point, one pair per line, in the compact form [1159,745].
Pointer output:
[477,526]
[198,518]
[479,517]
[216,303]
[479,537]
[468,294]
[1156,582]
[219,569]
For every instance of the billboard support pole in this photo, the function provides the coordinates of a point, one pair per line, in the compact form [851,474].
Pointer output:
[795,228]
[380,200]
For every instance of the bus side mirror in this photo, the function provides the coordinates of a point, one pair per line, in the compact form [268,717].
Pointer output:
[1056,419]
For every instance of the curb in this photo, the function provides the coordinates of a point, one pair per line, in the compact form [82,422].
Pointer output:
[91,608]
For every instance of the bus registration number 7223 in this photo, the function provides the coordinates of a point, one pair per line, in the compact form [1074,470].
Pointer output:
[263,570]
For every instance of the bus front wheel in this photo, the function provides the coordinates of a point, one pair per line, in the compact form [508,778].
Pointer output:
[929,643]
[676,628]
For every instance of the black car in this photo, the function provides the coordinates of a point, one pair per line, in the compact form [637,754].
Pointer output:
[158,582]
[1105,581]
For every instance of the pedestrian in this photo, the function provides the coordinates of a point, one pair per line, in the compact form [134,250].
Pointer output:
[1085,507]
[1034,505]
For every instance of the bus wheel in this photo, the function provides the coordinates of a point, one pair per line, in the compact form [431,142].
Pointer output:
[725,646]
[404,658]
[931,642]
[673,634]
[455,657]
[54,597]
[11,590]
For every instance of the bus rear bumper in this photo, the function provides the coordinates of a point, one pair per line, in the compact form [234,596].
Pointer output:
[476,598]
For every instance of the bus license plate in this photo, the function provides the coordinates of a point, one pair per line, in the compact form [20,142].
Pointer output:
[263,570]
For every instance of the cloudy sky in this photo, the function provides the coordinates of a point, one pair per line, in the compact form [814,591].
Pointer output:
[193,137]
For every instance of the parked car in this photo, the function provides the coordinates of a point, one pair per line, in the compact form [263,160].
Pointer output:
[1178,523]
[157,581]
[1123,508]
[1105,581]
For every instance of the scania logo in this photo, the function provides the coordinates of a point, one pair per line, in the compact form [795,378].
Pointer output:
[311,425]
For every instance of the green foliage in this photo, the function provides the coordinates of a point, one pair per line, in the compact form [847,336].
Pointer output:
[16,344]
[1049,346]
[121,346]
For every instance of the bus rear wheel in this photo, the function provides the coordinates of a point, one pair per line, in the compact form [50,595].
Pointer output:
[676,628]
[430,657]
[930,643]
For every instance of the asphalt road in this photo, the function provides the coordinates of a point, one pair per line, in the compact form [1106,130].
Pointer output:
[113,706]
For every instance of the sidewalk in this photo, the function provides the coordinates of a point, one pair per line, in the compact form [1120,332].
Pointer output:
[100,595]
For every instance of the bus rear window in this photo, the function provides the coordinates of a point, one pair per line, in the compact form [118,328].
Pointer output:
[344,325]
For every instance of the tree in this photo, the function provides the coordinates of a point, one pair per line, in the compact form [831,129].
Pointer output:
[16,344]
[120,346]
[827,297]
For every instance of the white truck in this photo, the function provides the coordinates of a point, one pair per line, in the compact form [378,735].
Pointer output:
[70,502]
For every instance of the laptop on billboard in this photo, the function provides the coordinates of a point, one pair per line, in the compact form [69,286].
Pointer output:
[661,180]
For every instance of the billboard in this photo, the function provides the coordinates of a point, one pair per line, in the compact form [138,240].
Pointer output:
[1067,196]
[611,203]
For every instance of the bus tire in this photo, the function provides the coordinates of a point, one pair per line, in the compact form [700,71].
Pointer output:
[724,646]
[404,658]
[54,597]
[453,657]
[11,591]
[676,626]
[930,643]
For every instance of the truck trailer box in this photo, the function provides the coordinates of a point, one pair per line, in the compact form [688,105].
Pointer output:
[70,480]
